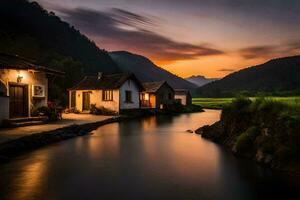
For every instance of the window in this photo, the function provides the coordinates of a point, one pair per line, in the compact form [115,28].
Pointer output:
[170,96]
[107,95]
[128,96]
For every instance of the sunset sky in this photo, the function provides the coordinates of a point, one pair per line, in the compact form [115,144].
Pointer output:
[189,37]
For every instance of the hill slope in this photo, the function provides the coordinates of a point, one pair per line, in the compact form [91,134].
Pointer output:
[200,80]
[279,76]
[30,31]
[146,70]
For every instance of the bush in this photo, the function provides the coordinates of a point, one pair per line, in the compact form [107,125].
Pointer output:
[51,113]
[238,107]
[192,108]
[266,144]
[101,110]
[285,153]
[245,141]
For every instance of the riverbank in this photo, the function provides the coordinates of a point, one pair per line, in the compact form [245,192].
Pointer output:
[15,147]
[262,130]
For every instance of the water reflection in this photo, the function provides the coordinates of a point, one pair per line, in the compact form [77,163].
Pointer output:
[27,179]
[151,158]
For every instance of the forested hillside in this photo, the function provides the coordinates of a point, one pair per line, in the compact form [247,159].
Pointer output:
[147,71]
[276,77]
[30,31]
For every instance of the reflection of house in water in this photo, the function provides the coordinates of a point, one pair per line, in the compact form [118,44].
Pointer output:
[157,95]
[149,123]
[23,86]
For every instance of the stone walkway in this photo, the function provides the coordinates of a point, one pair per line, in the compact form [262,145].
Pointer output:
[68,120]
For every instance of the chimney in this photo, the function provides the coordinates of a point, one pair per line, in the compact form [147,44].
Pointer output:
[100,75]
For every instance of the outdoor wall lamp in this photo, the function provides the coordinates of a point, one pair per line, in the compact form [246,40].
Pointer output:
[19,77]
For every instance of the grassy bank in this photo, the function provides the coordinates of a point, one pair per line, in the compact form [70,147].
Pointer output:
[219,103]
[266,130]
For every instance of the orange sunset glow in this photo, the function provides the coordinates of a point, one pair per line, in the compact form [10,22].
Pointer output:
[211,38]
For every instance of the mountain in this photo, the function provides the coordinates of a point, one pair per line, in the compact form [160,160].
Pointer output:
[146,70]
[30,31]
[200,80]
[276,77]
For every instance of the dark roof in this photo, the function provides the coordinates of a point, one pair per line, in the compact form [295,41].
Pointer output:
[182,92]
[152,87]
[16,62]
[111,81]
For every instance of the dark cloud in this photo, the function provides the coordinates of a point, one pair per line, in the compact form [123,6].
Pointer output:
[258,51]
[127,30]
[294,45]
[124,16]
[226,70]
[271,51]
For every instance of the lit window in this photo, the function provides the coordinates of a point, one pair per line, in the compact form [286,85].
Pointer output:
[146,96]
[107,95]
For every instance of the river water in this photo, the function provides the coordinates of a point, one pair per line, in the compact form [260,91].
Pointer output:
[149,158]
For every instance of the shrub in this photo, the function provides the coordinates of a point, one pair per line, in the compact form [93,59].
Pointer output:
[246,139]
[238,108]
[286,153]
[267,145]
[101,110]
[51,113]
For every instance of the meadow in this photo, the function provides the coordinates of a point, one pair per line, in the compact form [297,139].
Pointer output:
[218,103]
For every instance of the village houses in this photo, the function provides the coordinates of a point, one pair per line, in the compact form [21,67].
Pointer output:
[24,87]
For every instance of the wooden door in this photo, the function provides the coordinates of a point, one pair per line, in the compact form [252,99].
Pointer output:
[18,101]
[86,101]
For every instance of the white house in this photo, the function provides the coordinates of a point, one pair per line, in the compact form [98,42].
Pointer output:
[115,92]
[23,86]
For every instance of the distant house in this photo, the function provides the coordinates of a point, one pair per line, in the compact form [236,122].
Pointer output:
[115,92]
[183,96]
[23,86]
[157,95]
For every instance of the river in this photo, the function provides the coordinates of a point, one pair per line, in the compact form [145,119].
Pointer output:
[148,158]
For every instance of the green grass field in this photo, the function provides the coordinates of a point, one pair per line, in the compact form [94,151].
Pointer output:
[218,103]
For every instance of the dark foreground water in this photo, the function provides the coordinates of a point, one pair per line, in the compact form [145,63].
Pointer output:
[151,158]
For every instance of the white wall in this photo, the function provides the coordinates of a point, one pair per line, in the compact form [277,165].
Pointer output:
[4,108]
[130,85]
[96,98]
[182,98]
